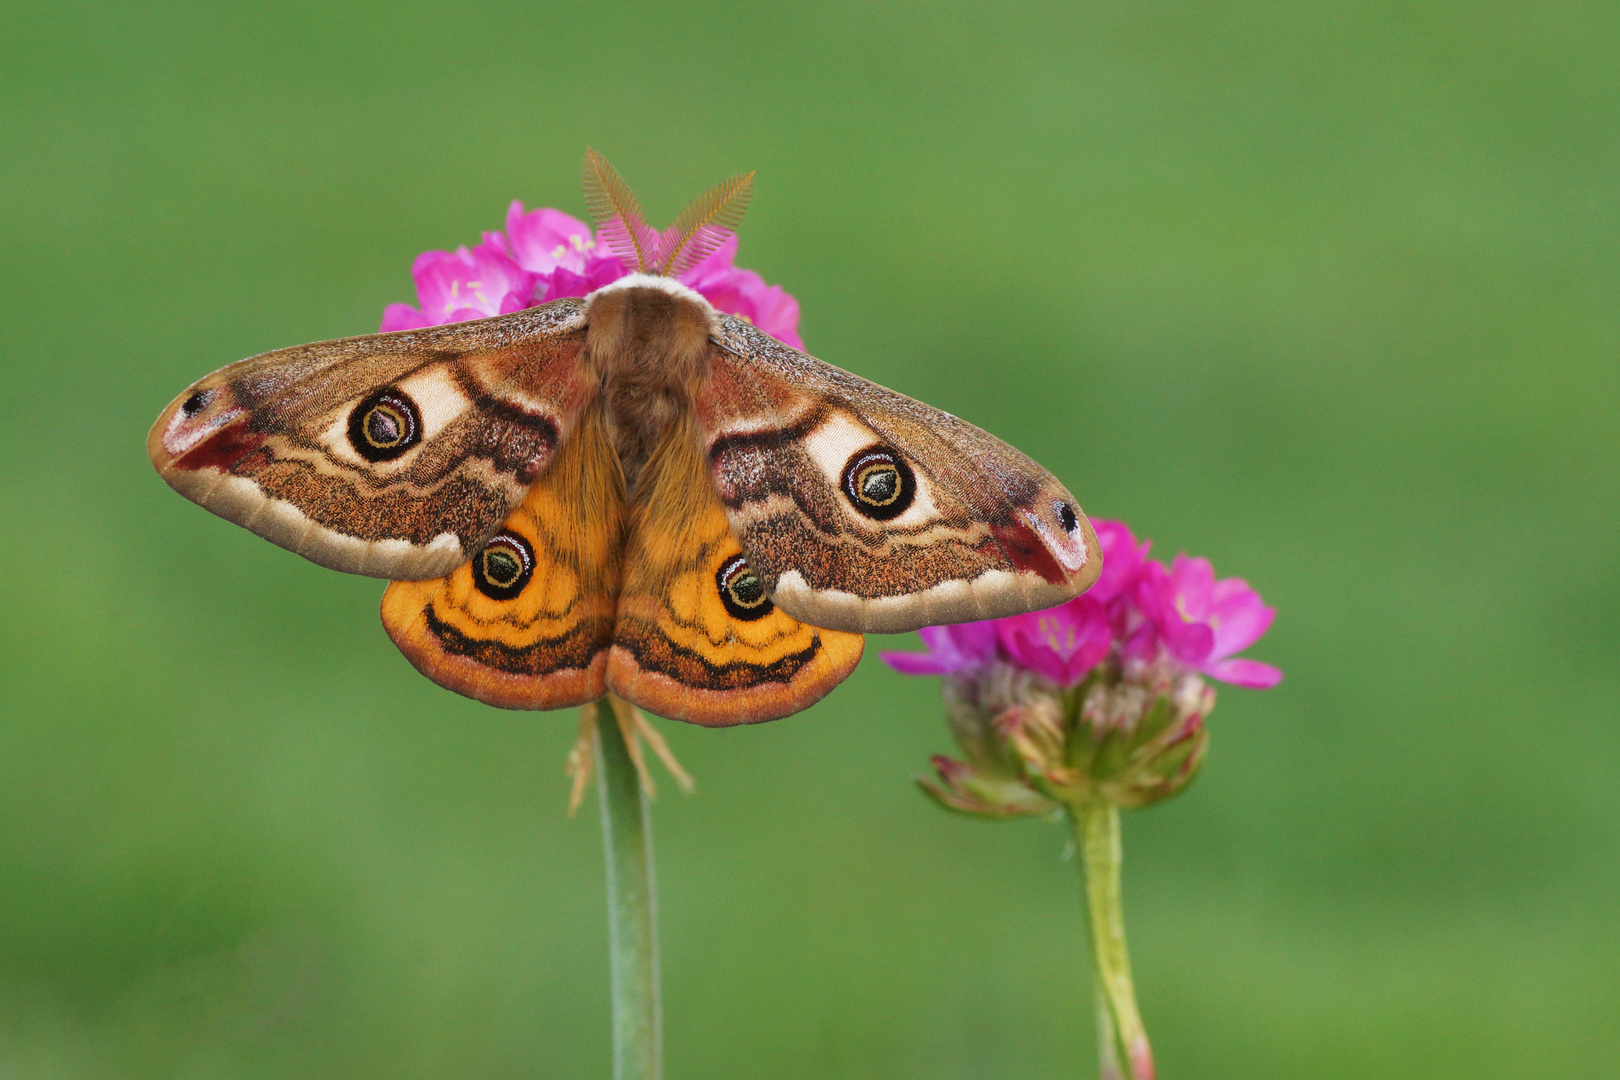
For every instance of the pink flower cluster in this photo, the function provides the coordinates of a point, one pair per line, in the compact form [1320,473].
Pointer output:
[1139,610]
[546,254]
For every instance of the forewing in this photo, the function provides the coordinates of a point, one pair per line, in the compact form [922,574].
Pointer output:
[695,640]
[527,622]
[391,455]
[865,510]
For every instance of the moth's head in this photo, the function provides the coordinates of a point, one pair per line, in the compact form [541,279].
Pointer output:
[697,232]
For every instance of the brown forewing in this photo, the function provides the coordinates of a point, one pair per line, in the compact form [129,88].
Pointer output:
[987,541]
[266,442]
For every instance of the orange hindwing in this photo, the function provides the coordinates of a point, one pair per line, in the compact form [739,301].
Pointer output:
[697,637]
[527,623]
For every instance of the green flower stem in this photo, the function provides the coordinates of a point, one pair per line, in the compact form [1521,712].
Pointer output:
[638,1029]
[1122,1038]
[1108,1067]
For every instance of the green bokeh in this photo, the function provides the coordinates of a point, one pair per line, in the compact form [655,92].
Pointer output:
[1325,291]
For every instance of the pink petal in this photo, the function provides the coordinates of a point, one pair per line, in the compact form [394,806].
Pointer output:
[402,317]
[545,239]
[912,663]
[777,313]
[564,282]
[1229,588]
[741,292]
[950,649]
[730,289]
[1154,594]
[1190,643]
[470,284]
[1122,558]
[599,272]
[1239,623]
[1143,644]
[1193,581]
[966,645]
[1250,673]
[439,276]
[1061,643]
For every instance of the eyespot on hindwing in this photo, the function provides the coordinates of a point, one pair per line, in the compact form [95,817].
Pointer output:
[741,590]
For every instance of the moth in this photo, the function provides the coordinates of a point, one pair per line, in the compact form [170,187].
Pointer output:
[629,492]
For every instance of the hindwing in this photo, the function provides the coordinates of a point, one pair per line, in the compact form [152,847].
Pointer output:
[526,624]
[697,638]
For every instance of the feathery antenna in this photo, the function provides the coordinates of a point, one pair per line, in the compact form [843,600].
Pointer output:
[698,232]
[619,219]
[704,225]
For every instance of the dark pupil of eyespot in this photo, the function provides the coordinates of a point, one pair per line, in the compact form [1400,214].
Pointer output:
[501,567]
[746,589]
[384,426]
[193,404]
[880,484]
[1067,519]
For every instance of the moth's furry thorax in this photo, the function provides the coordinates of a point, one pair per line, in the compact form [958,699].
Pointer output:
[647,340]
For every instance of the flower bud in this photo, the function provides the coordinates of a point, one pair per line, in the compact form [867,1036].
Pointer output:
[1130,735]
[1142,738]
[991,782]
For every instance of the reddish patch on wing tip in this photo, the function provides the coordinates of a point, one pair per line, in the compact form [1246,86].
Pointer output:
[1024,547]
[221,450]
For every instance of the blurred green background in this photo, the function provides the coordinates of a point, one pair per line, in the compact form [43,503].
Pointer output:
[1325,291]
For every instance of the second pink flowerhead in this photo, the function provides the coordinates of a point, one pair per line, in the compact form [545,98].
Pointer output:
[1102,697]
